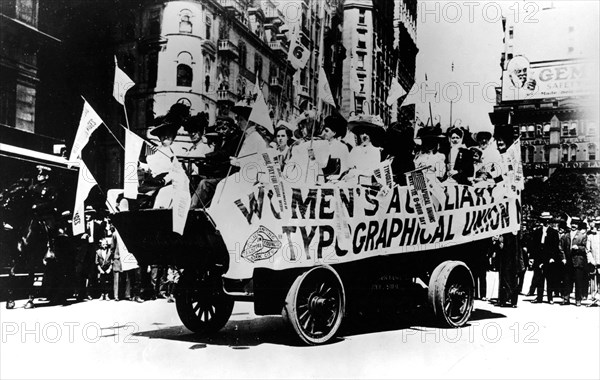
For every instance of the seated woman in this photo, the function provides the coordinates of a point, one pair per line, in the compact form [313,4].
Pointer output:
[160,165]
[309,153]
[430,158]
[489,171]
[365,157]
[455,136]
[333,131]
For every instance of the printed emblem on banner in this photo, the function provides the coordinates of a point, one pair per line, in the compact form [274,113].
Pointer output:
[261,245]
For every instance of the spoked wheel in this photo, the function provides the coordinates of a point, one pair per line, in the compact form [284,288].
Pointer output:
[315,305]
[451,293]
[201,303]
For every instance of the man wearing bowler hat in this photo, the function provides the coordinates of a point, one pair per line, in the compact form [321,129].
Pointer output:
[544,248]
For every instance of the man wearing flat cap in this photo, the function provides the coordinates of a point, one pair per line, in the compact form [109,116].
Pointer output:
[544,249]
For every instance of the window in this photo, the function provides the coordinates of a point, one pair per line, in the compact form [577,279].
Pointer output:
[362,40]
[243,54]
[530,154]
[523,131]
[359,105]
[573,152]
[523,154]
[208,26]
[258,63]
[207,83]
[573,129]
[565,129]
[361,16]
[185,23]
[592,128]
[8,87]
[546,154]
[592,152]
[361,62]
[531,131]
[547,130]
[511,32]
[27,12]
[565,153]
[184,75]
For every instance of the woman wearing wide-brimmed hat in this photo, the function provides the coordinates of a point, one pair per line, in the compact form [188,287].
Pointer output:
[366,156]
[429,157]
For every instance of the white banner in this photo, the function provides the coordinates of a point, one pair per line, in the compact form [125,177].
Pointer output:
[181,197]
[334,223]
[85,182]
[87,125]
[133,147]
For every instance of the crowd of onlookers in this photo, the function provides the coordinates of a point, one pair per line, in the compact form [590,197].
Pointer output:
[562,254]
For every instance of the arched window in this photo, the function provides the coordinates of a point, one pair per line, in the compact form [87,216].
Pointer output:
[185,23]
[547,130]
[565,153]
[531,131]
[530,153]
[184,75]
[207,83]
[573,152]
[592,152]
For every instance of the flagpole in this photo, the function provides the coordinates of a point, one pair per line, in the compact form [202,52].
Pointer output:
[126,117]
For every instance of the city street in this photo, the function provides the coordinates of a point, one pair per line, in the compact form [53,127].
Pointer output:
[107,339]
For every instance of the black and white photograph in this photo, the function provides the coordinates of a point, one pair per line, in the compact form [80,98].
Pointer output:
[299,189]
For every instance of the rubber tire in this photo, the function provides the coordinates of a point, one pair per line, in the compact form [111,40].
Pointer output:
[439,287]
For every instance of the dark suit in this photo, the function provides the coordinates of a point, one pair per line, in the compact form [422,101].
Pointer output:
[579,260]
[543,254]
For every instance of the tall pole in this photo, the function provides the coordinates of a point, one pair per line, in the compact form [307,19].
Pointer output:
[450,126]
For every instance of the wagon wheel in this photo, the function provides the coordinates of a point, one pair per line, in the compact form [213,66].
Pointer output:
[315,305]
[451,293]
[201,303]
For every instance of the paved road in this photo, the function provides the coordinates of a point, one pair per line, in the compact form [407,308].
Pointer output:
[107,339]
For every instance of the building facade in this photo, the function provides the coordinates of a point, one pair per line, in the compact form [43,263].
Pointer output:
[374,55]
[549,98]
[206,54]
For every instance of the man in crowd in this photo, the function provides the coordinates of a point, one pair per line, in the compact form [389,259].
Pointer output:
[544,248]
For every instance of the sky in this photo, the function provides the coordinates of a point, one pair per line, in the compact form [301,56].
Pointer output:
[469,34]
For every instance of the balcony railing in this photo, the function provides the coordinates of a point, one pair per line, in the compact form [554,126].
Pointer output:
[226,96]
[227,47]
[275,82]
[278,46]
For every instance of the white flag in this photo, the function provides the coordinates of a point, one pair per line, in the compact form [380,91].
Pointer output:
[87,125]
[324,89]
[260,112]
[298,54]
[85,182]
[133,146]
[396,91]
[181,197]
[122,84]
[413,96]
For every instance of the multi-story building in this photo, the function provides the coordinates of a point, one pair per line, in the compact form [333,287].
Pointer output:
[549,94]
[25,44]
[206,54]
[373,53]
[405,44]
